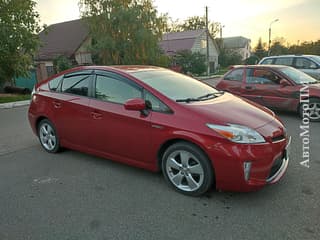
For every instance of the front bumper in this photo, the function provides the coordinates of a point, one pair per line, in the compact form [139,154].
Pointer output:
[269,162]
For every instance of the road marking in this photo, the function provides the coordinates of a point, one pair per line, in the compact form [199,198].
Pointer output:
[45,180]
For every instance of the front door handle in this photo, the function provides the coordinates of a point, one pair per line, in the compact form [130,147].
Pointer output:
[96,115]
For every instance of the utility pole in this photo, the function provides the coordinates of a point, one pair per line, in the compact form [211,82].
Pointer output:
[207,31]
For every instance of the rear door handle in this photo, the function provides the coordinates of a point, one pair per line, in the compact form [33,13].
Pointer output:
[249,87]
[56,104]
[96,115]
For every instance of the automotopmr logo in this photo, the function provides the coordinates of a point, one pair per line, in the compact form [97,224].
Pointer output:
[310,111]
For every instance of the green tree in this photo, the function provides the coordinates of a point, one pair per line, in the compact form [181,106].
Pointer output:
[229,57]
[194,63]
[278,47]
[19,26]
[196,22]
[260,50]
[61,63]
[123,32]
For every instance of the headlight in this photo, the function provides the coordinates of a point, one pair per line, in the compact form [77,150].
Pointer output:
[237,133]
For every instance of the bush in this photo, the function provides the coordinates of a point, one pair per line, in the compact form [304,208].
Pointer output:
[194,63]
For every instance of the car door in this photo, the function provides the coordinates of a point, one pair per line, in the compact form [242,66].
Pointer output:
[114,131]
[70,107]
[263,86]
[232,82]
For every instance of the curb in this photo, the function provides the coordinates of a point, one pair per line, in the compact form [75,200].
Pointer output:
[14,104]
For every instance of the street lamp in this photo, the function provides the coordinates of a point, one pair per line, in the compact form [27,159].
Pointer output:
[276,20]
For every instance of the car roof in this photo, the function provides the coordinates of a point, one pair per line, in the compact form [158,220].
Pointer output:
[290,55]
[259,66]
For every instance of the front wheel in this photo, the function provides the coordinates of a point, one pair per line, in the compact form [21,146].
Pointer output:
[310,109]
[48,136]
[187,169]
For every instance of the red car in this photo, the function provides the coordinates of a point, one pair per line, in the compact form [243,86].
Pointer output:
[277,87]
[157,119]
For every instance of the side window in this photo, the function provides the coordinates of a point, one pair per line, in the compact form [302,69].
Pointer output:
[288,61]
[155,104]
[268,61]
[54,83]
[261,76]
[115,90]
[235,75]
[76,84]
[303,63]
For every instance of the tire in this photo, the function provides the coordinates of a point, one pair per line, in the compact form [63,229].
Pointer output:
[48,136]
[313,109]
[187,169]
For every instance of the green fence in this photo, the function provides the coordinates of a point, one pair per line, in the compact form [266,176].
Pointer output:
[27,82]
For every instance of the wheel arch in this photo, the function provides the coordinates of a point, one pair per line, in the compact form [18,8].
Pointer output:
[172,141]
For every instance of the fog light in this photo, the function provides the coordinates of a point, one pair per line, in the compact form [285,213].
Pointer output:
[246,170]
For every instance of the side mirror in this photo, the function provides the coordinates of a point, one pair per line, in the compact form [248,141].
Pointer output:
[135,104]
[284,83]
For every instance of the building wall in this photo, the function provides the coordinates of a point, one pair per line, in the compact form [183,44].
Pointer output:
[200,46]
[83,55]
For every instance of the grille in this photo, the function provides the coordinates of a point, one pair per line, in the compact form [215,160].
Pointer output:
[276,166]
[278,138]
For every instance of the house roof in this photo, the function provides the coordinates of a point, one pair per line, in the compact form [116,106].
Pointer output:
[235,42]
[176,41]
[62,39]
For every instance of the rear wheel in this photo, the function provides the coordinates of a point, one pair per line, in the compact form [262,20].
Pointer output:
[48,136]
[187,169]
[310,109]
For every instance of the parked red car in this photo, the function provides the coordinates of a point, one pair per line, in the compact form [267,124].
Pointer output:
[275,86]
[157,119]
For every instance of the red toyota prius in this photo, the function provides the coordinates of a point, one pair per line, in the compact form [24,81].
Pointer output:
[160,120]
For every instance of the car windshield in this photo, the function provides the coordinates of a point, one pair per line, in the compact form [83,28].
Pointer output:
[297,76]
[176,86]
[316,59]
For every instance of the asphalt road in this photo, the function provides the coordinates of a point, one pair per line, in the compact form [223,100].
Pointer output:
[72,195]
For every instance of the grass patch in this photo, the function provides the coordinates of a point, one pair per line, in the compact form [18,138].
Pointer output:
[5,98]
[222,71]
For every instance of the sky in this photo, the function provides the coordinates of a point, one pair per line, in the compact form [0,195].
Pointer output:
[299,20]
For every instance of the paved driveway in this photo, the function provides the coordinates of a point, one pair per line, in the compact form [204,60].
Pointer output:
[72,195]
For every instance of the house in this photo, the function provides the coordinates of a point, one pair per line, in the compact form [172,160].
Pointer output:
[238,44]
[70,39]
[193,40]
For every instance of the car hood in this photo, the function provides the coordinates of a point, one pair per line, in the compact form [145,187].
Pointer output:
[231,109]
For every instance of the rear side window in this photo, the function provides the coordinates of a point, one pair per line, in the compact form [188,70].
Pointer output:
[115,90]
[76,84]
[267,61]
[54,83]
[235,75]
[288,61]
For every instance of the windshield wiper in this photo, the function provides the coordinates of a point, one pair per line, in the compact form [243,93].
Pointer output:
[187,100]
[215,94]
[201,98]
